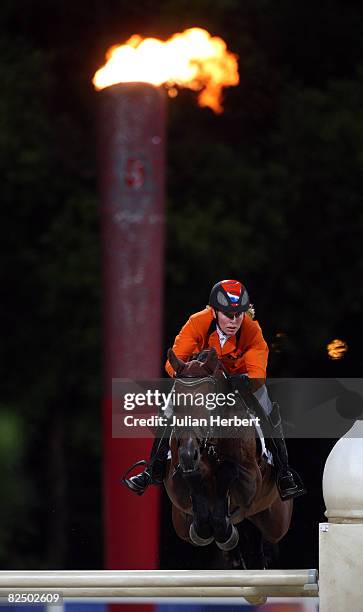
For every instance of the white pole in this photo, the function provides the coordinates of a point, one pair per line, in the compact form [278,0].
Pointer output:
[125,579]
[181,592]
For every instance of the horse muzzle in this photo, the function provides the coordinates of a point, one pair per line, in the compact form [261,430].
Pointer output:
[189,456]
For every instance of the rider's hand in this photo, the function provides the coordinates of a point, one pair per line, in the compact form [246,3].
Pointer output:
[243,380]
[240,379]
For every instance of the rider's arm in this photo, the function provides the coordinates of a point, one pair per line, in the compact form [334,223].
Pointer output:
[256,355]
[187,342]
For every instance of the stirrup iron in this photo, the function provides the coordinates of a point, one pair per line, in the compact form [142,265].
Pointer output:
[297,491]
[124,477]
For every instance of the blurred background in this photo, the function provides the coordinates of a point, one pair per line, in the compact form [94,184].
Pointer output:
[269,192]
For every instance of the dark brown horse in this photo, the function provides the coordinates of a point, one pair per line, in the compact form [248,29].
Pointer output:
[215,482]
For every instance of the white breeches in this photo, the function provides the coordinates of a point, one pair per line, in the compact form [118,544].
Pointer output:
[262,396]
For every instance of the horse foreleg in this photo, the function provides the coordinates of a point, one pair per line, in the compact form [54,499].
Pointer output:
[181,522]
[225,533]
[201,531]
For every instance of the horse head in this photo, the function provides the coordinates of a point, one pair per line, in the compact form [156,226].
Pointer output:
[201,365]
[201,468]
[192,377]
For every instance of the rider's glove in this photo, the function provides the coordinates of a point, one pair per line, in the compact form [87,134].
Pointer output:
[239,380]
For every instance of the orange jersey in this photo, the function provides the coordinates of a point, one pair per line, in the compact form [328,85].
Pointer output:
[244,353]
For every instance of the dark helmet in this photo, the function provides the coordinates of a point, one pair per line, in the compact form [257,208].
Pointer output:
[229,296]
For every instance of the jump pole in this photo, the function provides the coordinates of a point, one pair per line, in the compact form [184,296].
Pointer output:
[164,583]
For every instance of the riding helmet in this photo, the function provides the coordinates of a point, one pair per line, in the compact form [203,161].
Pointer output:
[230,297]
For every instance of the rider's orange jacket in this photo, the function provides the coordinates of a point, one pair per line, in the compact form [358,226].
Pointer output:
[244,353]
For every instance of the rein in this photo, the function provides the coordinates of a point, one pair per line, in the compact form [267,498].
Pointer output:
[207,443]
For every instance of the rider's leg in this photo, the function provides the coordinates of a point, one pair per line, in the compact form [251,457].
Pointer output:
[155,470]
[288,481]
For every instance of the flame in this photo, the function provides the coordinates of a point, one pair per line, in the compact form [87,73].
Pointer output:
[192,59]
[337,349]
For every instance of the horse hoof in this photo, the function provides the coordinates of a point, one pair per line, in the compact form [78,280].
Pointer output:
[196,539]
[233,559]
[231,542]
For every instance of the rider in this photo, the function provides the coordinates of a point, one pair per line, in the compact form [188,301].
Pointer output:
[227,324]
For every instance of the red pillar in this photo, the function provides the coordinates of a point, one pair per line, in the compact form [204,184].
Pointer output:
[132,139]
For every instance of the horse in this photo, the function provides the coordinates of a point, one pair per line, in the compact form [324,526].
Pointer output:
[213,481]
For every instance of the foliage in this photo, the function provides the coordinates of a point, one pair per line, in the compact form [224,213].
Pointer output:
[269,192]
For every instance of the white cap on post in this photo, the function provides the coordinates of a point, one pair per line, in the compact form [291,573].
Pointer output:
[343,478]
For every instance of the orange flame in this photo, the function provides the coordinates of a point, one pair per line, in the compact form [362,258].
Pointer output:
[337,349]
[192,59]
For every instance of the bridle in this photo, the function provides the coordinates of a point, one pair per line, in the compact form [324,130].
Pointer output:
[206,443]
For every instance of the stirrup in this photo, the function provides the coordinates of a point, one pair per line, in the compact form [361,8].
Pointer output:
[293,492]
[125,480]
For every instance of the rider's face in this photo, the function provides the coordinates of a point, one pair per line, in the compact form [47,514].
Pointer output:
[227,325]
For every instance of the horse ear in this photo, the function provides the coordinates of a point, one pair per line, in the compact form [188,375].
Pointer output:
[177,364]
[212,360]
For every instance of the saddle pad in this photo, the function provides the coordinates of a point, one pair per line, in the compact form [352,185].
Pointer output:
[265,452]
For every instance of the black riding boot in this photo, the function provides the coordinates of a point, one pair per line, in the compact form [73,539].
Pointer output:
[288,481]
[155,467]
